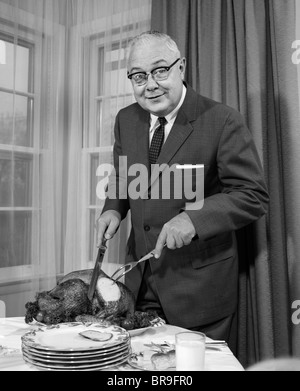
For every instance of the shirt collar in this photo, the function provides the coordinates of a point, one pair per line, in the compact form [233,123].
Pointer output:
[171,116]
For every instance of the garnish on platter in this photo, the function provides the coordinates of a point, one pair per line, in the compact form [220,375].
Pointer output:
[156,357]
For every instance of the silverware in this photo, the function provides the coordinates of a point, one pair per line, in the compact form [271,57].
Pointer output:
[129,266]
[97,269]
[167,346]
[216,342]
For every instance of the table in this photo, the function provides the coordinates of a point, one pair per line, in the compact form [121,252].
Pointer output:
[11,359]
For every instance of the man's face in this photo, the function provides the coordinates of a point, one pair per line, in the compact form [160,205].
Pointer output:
[157,97]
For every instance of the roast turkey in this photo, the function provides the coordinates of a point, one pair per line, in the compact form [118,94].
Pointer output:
[113,302]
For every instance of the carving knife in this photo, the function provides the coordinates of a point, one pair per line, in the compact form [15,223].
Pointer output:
[97,269]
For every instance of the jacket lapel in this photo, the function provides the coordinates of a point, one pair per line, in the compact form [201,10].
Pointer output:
[142,139]
[179,133]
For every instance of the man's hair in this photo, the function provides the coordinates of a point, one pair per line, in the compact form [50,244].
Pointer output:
[147,36]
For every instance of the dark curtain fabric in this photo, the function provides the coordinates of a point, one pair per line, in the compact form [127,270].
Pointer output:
[239,52]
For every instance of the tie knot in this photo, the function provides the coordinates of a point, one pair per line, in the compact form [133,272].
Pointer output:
[162,121]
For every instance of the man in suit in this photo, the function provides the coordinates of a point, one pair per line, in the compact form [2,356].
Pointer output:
[193,280]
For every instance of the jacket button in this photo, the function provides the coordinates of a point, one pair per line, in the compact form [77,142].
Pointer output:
[146,228]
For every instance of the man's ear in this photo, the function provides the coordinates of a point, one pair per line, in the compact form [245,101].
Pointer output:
[182,66]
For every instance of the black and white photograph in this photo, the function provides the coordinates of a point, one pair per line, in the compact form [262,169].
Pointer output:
[149,188]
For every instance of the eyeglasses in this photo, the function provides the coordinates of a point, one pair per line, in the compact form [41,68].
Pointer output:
[158,74]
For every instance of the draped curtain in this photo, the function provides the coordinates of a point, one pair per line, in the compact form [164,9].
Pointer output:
[62,81]
[240,52]
[32,72]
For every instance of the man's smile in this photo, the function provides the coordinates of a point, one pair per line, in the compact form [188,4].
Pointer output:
[154,97]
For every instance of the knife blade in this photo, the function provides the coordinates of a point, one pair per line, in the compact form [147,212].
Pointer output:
[97,269]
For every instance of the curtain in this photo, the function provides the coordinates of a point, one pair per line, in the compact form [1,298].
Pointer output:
[240,53]
[62,81]
[31,149]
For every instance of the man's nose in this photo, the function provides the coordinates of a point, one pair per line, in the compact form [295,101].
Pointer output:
[151,83]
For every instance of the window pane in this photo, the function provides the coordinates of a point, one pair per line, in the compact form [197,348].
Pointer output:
[22,56]
[15,180]
[107,110]
[105,122]
[115,80]
[15,119]
[15,238]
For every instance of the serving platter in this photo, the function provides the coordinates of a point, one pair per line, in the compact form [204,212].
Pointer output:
[157,322]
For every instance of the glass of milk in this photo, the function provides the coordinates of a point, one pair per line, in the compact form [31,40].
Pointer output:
[190,351]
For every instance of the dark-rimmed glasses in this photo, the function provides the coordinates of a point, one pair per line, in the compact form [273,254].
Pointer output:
[158,74]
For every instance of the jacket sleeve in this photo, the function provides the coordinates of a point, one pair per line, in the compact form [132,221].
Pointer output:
[244,196]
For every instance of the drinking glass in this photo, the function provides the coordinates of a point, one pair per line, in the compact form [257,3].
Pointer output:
[190,351]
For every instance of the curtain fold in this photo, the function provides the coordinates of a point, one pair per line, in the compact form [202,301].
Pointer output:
[239,52]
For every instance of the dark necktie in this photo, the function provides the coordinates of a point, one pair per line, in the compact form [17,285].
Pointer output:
[157,141]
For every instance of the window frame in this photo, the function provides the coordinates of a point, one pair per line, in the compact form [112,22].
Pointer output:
[9,273]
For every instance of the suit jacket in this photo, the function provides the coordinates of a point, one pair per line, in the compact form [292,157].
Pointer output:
[197,284]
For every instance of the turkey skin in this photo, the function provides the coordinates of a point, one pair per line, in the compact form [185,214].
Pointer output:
[68,301]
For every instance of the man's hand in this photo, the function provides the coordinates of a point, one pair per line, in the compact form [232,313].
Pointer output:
[176,233]
[108,225]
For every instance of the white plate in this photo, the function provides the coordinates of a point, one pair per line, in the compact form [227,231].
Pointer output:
[72,353]
[77,363]
[65,337]
[86,367]
[78,359]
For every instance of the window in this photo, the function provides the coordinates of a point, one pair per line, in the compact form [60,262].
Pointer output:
[109,91]
[16,93]
[17,104]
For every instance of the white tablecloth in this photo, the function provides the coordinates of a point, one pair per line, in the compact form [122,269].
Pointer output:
[11,359]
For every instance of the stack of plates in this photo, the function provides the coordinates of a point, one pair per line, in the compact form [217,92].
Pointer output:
[63,347]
